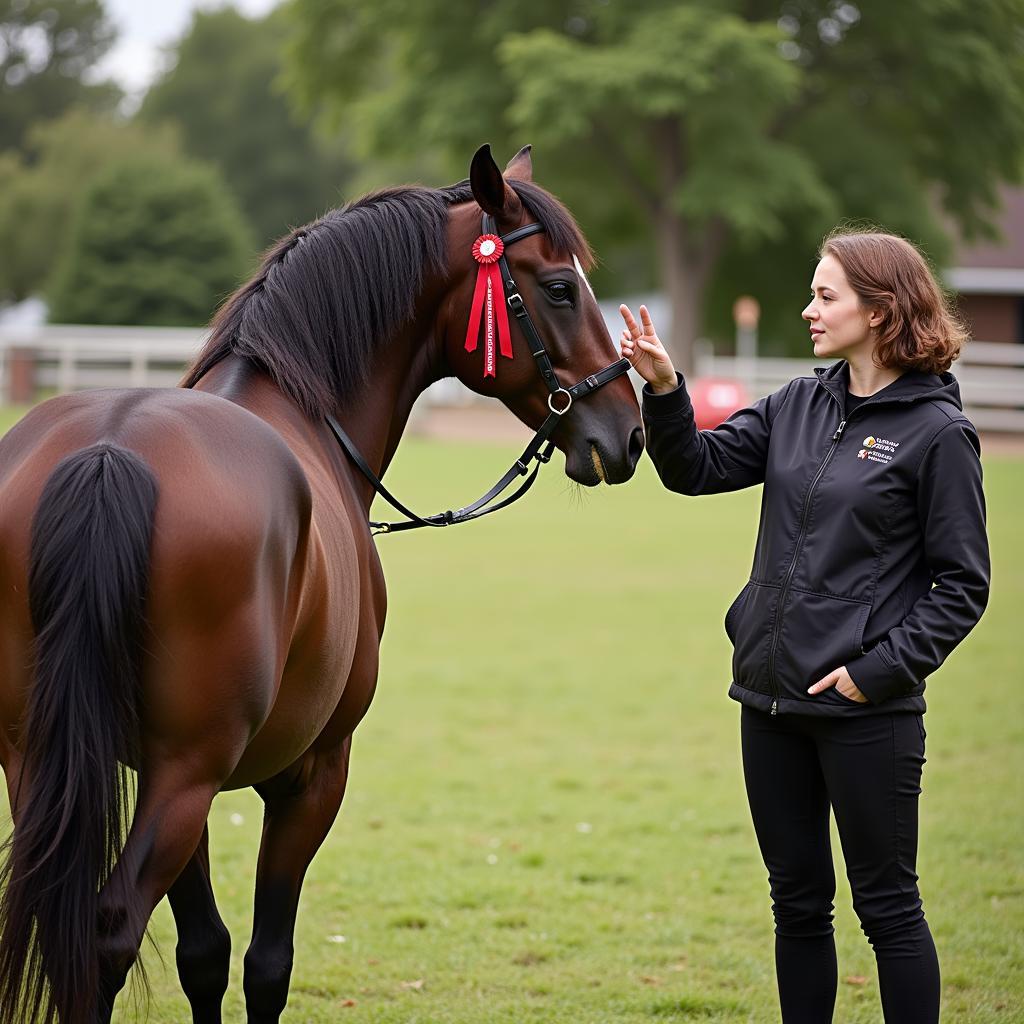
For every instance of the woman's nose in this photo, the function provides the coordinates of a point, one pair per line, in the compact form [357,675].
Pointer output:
[809,312]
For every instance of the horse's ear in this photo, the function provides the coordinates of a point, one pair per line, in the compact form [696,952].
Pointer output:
[520,166]
[488,184]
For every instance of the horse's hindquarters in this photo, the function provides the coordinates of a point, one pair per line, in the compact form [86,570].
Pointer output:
[227,555]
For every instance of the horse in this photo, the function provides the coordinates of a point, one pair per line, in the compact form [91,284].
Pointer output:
[191,600]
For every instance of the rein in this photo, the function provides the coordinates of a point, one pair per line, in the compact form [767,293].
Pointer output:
[540,447]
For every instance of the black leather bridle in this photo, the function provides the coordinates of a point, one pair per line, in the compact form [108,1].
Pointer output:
[540,448]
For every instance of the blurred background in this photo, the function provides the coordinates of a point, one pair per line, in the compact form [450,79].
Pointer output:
[150,151]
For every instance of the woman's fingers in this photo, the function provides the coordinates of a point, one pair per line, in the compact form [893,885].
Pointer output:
[631,324]
[840,679]
[823,684]
[642,332]
[630,345]
[640,345]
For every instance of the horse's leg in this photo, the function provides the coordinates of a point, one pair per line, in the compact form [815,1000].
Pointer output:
[299,811]
[204,945]
[167,827]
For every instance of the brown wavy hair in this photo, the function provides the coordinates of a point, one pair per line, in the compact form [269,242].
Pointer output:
[919,330]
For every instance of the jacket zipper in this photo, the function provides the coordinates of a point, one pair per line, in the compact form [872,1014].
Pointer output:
[796,554]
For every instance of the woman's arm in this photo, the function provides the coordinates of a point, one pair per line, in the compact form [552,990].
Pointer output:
[951,510]
[688,460]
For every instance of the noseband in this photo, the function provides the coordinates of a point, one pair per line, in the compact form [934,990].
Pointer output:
[560,401]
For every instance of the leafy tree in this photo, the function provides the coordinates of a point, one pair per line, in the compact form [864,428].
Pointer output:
[222,92]
[732,132]
[19,246]
[47,47]
[154,242]
[40,189]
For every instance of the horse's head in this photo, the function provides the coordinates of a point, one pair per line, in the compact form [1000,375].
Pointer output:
[601,433]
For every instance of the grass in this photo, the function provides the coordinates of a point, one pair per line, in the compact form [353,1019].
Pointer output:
[9,415]
[546,820]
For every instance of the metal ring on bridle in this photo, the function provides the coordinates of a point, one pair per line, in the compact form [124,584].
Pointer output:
[551,406]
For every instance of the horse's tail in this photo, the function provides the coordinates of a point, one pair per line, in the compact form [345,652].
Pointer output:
[88,578]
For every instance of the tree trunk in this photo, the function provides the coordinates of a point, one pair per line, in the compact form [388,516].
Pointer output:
[685,271]
[683,300]
[687,252]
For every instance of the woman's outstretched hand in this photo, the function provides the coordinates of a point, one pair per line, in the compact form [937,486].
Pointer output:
[641,346]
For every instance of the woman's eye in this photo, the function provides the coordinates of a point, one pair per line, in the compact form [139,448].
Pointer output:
[560,292]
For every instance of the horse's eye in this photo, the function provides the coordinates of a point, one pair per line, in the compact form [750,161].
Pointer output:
[560,292]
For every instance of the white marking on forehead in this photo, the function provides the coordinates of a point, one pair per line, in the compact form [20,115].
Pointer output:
[579,270]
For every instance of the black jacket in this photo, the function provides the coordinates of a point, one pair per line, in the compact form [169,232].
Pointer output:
[871,551]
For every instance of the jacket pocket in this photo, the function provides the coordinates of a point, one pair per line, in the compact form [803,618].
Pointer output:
[748,624]
[733,613]
[818,634]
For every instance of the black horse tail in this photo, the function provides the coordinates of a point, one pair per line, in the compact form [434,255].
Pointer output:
[88,579]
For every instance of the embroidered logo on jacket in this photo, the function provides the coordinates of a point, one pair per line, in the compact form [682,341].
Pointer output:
[878,449]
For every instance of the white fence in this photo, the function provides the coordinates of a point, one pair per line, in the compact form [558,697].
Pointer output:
[67,358]
[991,378]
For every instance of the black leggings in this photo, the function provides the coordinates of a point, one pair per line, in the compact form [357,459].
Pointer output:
[868,768]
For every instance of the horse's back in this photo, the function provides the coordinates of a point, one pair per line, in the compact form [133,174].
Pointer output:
[230,560]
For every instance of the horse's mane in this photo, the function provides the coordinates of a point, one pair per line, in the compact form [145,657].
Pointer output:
[330,293]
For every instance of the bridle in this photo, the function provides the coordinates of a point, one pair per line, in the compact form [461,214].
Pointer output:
[560,401]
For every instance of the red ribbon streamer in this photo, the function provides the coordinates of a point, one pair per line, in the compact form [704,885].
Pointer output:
[487,250]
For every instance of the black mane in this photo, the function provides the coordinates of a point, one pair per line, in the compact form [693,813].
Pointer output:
[329,294]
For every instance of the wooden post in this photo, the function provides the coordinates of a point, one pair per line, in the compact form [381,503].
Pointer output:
[21,376]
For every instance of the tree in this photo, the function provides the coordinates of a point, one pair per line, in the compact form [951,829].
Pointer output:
[41,188]
[222,92]
[154,242]
[734,131]
[47,48]
[694,140]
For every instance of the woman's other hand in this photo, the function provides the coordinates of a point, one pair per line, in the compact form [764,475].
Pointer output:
[841,680]
[641,346]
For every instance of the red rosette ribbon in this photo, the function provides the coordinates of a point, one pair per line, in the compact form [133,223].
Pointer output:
[489,298]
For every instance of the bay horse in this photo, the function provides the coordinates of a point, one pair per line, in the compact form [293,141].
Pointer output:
[189,589]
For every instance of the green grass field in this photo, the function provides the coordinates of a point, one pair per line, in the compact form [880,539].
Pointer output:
[545,819]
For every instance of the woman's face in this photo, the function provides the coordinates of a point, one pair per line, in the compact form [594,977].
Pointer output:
[840,325]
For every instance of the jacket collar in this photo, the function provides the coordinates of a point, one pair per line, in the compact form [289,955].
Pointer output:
[911,386]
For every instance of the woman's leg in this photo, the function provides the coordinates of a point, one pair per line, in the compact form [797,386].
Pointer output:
[873,772]
[789,805]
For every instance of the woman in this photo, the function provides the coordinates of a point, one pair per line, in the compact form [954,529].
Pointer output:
[871,565]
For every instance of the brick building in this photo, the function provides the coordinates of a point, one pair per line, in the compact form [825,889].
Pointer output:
[988,278]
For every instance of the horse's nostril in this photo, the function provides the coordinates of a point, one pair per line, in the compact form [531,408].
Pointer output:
[636,446]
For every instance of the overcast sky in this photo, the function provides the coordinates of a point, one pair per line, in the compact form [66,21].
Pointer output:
[145,26]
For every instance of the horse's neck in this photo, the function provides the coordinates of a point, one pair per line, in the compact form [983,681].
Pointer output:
[377,416]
